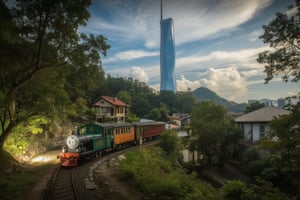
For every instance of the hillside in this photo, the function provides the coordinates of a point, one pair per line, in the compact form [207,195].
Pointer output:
[205,94]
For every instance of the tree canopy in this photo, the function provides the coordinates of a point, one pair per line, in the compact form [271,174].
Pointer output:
[283,36]
[213,133]
[254,106]
[283,59]
[41,49]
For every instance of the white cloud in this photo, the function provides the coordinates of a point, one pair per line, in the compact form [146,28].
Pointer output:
[151,44]
[193,19]
[252,72]
[227,83]
[293,92]
[183,84]
[255,35]
[245,58]
[130,55]
[210,19]
[139,74]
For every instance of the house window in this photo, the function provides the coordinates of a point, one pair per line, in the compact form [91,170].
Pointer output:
[262,130]
[112,112]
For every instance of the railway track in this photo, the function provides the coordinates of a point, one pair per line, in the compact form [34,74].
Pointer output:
[68,183]
[64,185]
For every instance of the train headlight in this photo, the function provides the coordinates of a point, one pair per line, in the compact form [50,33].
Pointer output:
[64,149]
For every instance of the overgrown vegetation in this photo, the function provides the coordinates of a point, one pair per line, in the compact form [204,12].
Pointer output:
[156,176]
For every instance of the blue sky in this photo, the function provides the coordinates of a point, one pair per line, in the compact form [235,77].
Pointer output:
[216,43]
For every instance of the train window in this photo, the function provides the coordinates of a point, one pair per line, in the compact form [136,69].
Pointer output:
[82,131]
[91,129]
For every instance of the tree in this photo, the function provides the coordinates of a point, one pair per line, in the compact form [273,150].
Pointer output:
[262,190]
[284,139]
[125,97]
[254,106]
[237,190]
[154,114]
[170,144]
[170,99]
[186,101]
[40,36]
[214,134]
[283,35]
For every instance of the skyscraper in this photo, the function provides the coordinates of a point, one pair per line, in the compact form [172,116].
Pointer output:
[167,54]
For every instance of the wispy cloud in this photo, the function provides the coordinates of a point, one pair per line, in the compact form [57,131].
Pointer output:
[241,58]
[215,46]
[193,19]
[212,20]
[130,55]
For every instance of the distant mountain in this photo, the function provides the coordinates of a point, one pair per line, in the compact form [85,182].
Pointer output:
[205,94]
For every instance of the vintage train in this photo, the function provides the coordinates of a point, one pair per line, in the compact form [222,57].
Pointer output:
[93,139]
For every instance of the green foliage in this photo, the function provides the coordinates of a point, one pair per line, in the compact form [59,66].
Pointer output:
[170,144]
[254,106]
[271,169]
[18,142]
[132,118]
[213,133]
[236,190]
[147,104]
[52,69]
[36,124]
[155,177]
[154,114]
[124,96]
[282,34]
[284,140]
[262,190]
[186,101]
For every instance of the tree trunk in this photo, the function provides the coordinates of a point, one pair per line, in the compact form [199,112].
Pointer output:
[5,133]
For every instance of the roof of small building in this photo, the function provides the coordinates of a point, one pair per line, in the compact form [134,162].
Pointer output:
[112,100]
[265,114]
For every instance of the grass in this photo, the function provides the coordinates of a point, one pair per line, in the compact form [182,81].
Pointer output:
[17,181]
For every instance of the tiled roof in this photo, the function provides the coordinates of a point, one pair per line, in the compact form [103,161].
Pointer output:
[265,114]
[114,101]
[111,100]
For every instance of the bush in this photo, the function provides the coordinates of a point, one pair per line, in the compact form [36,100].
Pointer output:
[154,175]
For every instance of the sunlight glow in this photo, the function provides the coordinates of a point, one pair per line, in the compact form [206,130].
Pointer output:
[43,159]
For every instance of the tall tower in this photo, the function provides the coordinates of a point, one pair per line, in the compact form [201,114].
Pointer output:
[167,54]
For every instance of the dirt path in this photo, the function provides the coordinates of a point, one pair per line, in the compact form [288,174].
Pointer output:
[110,186]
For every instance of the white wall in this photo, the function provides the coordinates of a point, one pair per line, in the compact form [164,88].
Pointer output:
[254,128]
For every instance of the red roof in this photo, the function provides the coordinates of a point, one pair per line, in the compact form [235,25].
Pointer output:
[112,100]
